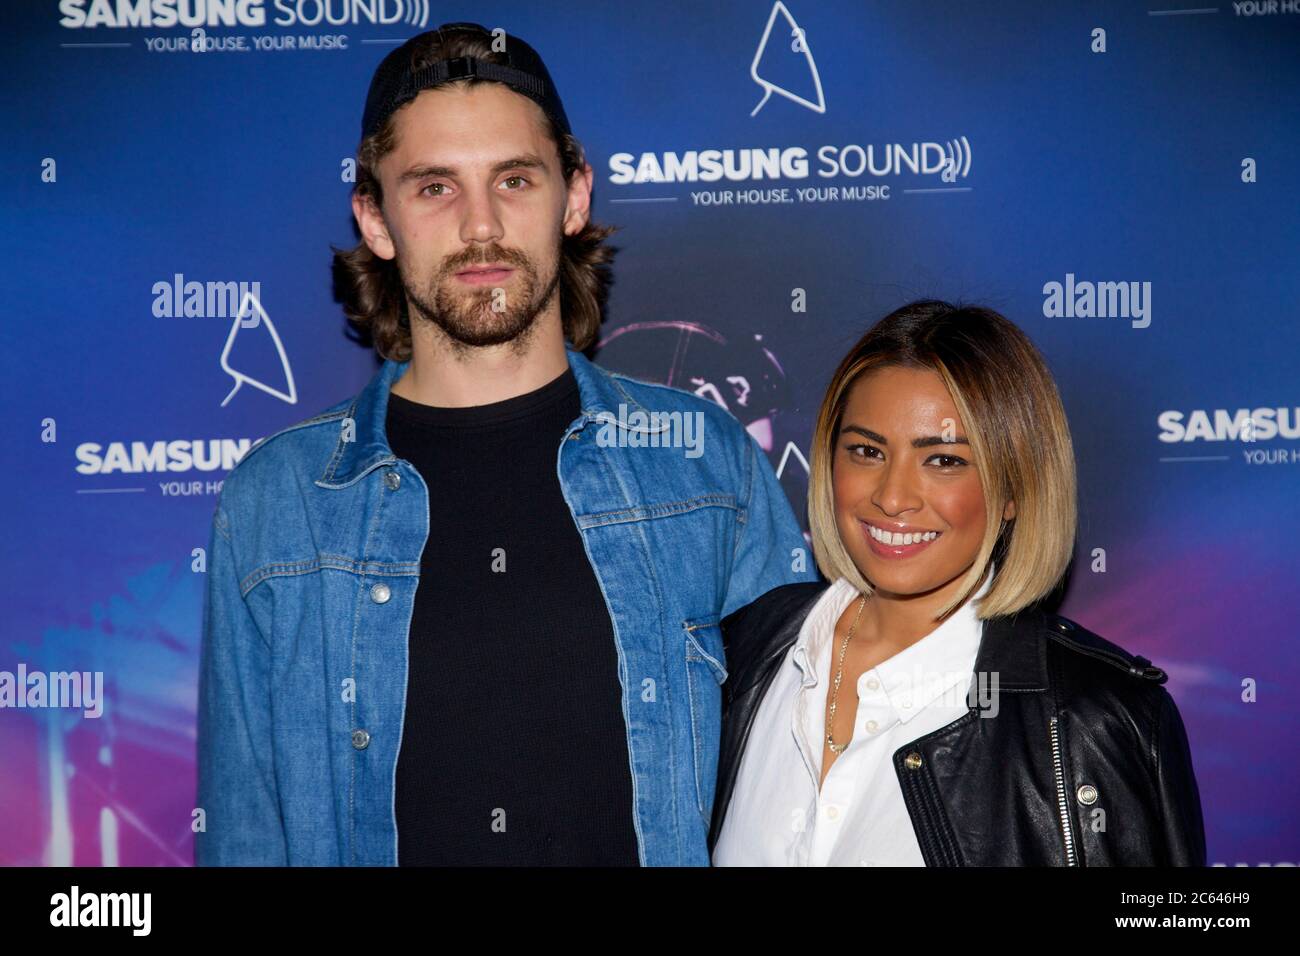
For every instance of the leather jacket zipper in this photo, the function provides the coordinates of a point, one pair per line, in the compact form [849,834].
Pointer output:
[1062,806]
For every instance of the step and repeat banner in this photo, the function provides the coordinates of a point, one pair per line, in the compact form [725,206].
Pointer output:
[1120,179]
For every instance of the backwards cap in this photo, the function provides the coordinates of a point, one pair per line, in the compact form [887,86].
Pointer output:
[396,84]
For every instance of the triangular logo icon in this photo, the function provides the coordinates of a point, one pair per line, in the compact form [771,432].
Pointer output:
[252,316]
[798,45]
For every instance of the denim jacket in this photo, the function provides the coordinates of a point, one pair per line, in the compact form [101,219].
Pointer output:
[313,561]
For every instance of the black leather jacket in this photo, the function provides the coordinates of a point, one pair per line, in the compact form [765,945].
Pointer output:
[1081,726]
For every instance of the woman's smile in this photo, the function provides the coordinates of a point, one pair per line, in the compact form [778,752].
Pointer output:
[890,544]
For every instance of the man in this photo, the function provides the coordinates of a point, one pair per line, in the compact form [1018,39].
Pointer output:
[471,615]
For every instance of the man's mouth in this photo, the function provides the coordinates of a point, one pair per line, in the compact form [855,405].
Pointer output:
[484,275]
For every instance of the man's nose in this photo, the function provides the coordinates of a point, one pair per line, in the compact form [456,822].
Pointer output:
[481,219]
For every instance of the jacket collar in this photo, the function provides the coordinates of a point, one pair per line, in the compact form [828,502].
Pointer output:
[1014,647]
[363,439]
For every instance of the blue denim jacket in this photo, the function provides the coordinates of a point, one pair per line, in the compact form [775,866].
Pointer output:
[313,563]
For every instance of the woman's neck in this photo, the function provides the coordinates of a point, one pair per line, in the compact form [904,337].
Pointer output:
[906,618]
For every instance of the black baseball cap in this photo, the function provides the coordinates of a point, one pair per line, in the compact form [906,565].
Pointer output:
[396,84]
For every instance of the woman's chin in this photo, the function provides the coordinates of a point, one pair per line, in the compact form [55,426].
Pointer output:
[894,582]
[891,581]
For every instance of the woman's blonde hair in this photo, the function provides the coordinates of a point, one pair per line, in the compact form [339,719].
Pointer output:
[1018,435]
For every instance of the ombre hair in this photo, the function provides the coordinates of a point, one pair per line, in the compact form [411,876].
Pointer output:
[1018,434]
[370,287]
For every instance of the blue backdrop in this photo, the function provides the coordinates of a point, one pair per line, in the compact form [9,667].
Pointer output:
[1120,180]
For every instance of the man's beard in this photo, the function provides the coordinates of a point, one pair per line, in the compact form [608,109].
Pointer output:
[465,312]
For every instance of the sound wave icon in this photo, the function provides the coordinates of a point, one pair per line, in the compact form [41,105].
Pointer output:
[959,156]
[416,13]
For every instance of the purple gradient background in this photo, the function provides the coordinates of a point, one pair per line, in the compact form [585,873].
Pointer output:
[1122,166]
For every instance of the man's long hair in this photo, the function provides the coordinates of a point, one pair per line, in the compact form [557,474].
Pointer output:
[370,287]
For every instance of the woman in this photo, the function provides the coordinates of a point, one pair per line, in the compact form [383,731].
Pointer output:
[923,709]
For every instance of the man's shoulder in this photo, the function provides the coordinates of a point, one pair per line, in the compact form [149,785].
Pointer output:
[657,396]
[302,448]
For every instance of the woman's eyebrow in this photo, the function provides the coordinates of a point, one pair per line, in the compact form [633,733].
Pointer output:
[926,442]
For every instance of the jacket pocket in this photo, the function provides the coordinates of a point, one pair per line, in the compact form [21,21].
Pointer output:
[705,673]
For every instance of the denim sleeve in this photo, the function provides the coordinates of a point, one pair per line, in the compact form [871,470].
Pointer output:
[770,548]
[236,780]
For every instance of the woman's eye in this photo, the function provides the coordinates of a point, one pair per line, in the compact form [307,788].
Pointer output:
[948,461]
[863,452]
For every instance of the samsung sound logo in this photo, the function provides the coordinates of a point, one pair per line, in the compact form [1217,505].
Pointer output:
[950,161]
[144,457]
[1220,424]
[161,14]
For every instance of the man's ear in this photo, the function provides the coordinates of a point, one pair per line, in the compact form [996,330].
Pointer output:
[373,228]
[1009,512]
[577,209]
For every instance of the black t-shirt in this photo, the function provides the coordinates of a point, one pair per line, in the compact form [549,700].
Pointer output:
[514,746]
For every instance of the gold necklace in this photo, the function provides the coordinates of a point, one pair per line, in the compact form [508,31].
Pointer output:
[839,676]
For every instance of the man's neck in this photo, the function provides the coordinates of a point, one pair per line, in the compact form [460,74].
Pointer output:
[458,377]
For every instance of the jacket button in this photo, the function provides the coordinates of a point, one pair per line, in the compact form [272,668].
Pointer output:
[1087,794]
[392,479]
[380,593]
[360,739]
[912,761]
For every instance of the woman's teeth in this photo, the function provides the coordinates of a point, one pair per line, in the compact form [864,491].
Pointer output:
[895,540]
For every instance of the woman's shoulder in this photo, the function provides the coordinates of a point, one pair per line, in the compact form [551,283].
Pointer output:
[1099,679]
[774,608]
[1082,643]
[765,627]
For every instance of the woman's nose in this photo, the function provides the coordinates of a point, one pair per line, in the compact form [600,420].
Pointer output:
[897,491]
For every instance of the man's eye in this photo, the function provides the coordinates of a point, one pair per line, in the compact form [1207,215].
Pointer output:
[510,179]
[426,189]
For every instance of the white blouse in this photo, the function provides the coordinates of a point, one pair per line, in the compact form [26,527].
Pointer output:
[777,815]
